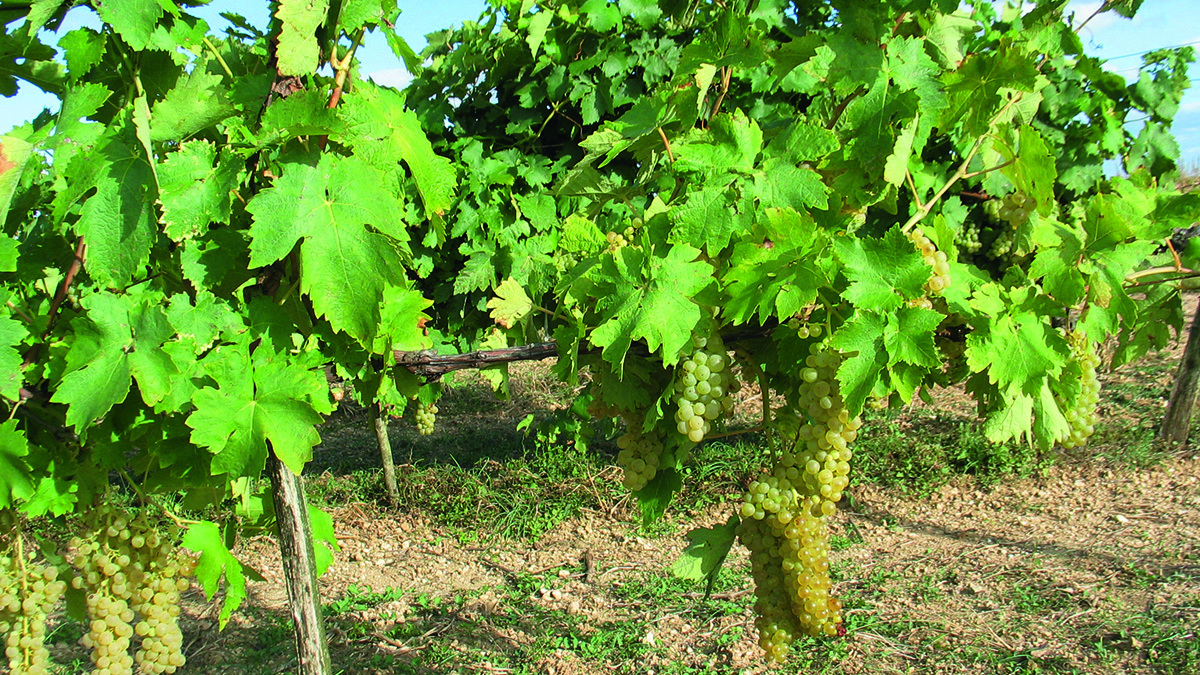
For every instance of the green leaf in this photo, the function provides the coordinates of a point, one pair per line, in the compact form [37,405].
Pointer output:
[1017,351]
[538,24]
[194,188]
[118,222]
[662,311]
[510,305]
[656,496]
[381,131]
[121,341]
[882,272]
[324,538]
[731,143]
[909,337]
[215,562]
[12,333]
[199,101]
[257,399]
[861,339]
[706,551]
[298,52]
[133,20]
[16,483]
[14,153]
[402,321]
[706,220]
[350,235]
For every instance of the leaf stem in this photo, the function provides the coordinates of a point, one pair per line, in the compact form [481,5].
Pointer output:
[217,55]
[961,173]
[666,144]
[181,522]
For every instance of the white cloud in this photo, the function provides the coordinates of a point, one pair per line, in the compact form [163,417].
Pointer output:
[392,77]
[1188,107]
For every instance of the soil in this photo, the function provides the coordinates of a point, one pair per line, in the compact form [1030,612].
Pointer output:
[1031,575]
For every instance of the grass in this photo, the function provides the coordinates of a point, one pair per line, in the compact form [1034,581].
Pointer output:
[478,479]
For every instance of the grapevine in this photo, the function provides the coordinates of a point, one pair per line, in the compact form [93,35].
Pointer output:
[215,227]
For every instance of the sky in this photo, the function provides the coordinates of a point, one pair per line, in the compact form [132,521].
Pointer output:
[1158,24]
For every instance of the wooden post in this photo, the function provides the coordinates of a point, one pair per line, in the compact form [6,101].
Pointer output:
[1178,419]
[299,569]
[379,422]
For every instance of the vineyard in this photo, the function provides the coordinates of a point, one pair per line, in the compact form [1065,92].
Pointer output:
[754,241]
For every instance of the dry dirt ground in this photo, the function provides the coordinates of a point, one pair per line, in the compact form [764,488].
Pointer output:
[1093,567]
[1040,571]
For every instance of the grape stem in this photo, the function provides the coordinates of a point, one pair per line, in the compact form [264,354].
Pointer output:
[961,172]
[217,55]
[666,144]
[181,522]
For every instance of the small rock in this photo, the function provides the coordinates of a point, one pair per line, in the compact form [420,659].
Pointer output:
[563,574]
[1121,519]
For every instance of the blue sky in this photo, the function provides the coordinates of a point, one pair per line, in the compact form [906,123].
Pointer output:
[1159,23]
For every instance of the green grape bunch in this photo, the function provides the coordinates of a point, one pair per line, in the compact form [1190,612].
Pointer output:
[785,513]
[1082,416]
[426,416]
[133,578]
[29,592]
[703,388]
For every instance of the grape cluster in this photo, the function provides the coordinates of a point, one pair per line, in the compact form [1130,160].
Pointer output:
[935,259]
[28,593]
[703,388]
[133,578]
[1003,243]
[640,452]
[426,417]
[968,238]
[1082,416]
[618,240]
[785,514]
[1015,208]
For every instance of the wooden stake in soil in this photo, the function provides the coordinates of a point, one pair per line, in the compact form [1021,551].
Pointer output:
[379,423]
[1178,418]
[299,568]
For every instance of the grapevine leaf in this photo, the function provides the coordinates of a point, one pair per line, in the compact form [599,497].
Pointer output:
[1018,351]
[298,52]
[706,220]
[216,561]
[384,133]
[1014,420]
[194,188]
[133,20]
[662,311]
[538,24]
[705,552]
[334,209]
[882,272]
[510,305]
[402,321]
[1049,423]
[122,340]
[896,166]
[783,184]
[11,378]
[730,144]
[16,483]
[14,153]
[861,339]
[118,222]
[199,101]
[909,337]
[324,538]
[601,15]
[654,498]
[52,494]
[82,49]
[258,399]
